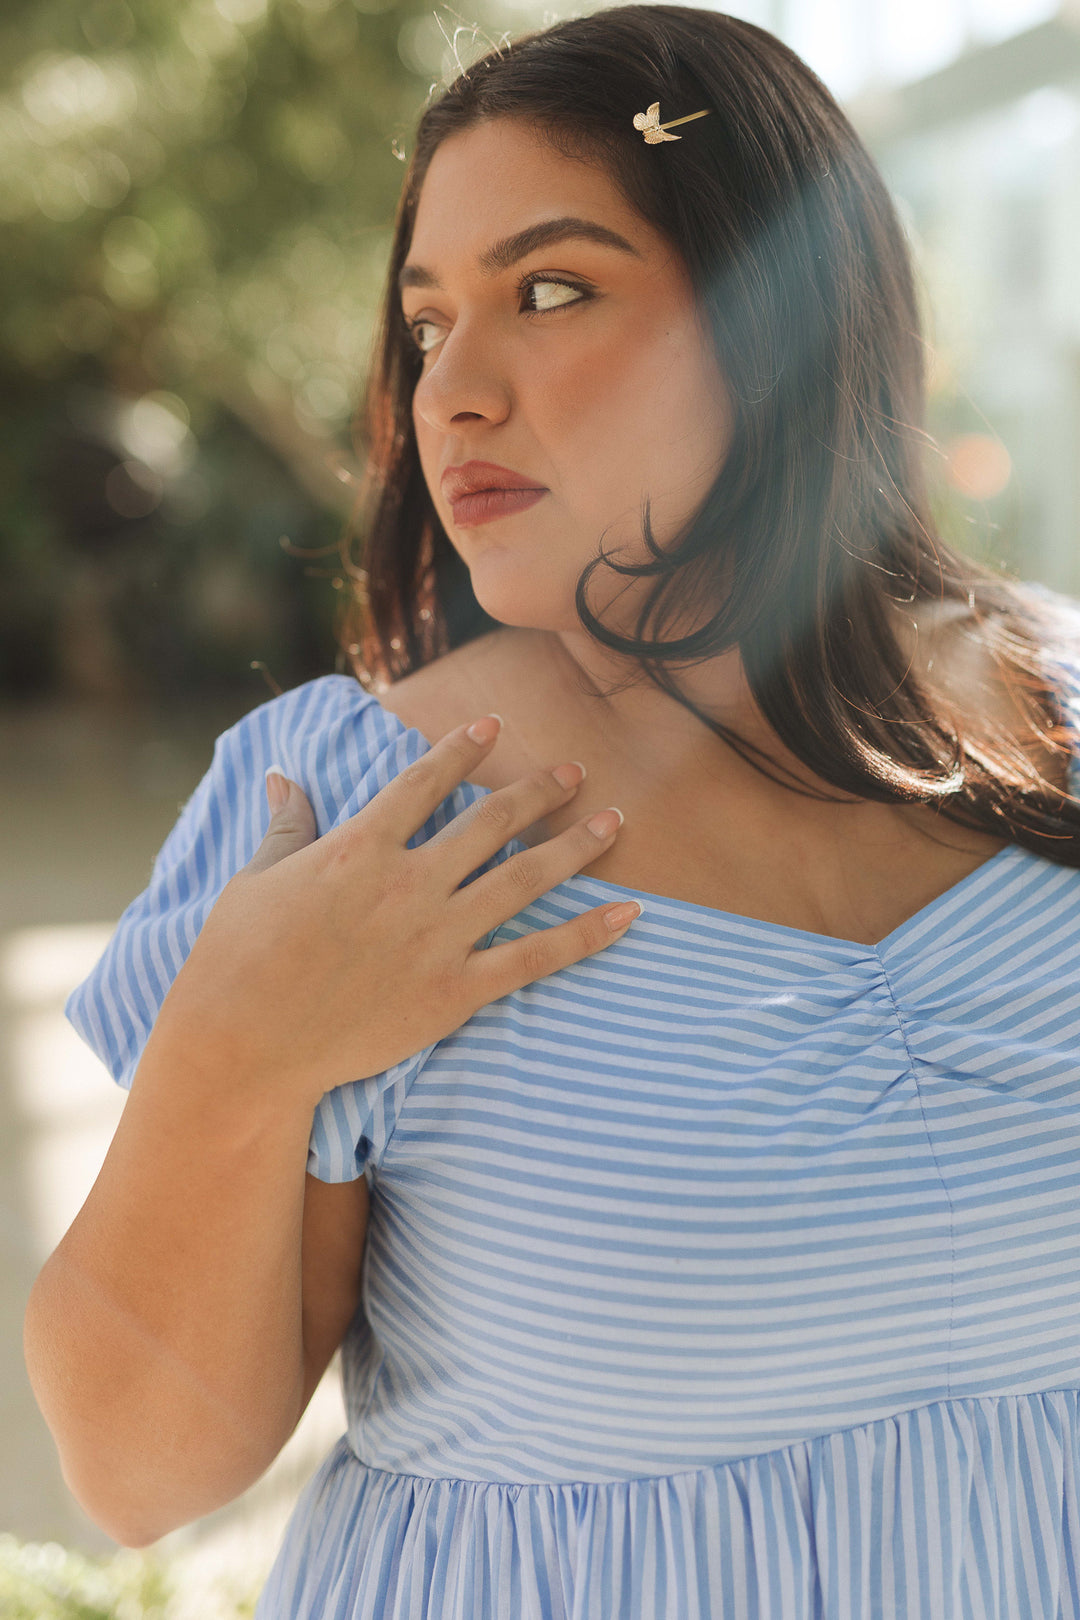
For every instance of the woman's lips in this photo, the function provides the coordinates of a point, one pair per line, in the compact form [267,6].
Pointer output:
[485,504]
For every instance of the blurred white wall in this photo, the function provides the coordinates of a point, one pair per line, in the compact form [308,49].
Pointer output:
[87,797]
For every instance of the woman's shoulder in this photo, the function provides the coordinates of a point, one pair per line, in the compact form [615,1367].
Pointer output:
[329,734]
[433,699]
[322,701]
[441,695]
[330,727]
[508,670]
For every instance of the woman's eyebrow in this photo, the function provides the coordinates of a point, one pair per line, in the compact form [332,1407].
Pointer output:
[501,255]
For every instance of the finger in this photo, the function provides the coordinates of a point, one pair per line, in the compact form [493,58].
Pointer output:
[292,823]
[401,808]
[472,837]
[502,969]
[492,899]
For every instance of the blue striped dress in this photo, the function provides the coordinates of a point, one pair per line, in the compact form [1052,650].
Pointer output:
[730,1274]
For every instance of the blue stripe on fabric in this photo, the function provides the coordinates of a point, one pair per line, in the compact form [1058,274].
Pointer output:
[662,1247]
[905,1517]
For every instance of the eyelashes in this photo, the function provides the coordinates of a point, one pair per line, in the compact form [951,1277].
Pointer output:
[540,280]
[536,279]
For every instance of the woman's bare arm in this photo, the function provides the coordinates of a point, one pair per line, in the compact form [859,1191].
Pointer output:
[335,1231]
[176,1334]
[178,1330]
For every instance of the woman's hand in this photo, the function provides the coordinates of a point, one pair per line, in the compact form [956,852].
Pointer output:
[330,959]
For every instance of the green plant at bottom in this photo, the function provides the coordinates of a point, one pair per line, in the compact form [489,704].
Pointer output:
[44,1581]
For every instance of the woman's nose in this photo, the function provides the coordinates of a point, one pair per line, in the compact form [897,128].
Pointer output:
[462,378]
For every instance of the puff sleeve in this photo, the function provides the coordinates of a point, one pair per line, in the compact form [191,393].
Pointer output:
[337,741]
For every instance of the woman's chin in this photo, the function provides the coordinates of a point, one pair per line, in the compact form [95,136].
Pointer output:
[508,590]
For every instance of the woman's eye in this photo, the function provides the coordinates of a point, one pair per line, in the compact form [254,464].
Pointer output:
[416,328]
[549,295]
[563,291]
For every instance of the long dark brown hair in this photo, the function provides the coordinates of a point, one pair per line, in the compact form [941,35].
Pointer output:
[818,531]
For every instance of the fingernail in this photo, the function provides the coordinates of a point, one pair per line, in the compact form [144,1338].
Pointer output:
[485,730]
[603,824]
[622,916]
[277,787]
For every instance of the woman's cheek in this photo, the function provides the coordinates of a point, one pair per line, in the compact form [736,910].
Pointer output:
[596,378]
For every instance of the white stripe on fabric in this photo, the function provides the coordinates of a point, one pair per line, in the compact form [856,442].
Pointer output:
[902,1519]
[729,1272]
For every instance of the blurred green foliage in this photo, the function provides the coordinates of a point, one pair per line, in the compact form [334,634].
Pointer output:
[196,199]
[44,1581]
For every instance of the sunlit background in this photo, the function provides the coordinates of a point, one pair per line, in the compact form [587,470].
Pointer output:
[195,204]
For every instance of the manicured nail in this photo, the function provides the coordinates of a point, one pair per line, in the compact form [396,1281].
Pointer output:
[277,787]
[622,916]
[569,776]
[604,823]
[485,730]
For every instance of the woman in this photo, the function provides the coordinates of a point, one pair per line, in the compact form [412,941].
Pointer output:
[721,1265]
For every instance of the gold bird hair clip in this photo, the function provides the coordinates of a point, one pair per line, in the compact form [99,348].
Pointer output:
[654,131]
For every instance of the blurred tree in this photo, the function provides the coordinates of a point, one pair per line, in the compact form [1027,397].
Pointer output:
[196,199]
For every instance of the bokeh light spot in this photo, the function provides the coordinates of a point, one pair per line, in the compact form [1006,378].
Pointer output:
[422,44]
[326,398]
[133,490]
[104,179]
[65,95]
[978,466]
[130,245]
[107,23]
[154,430]
[58,194]
[242,13]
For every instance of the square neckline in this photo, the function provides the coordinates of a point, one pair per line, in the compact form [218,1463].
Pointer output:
[838,942]
[1012,852]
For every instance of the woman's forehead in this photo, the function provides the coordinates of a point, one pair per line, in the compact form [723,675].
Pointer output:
[497,179]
